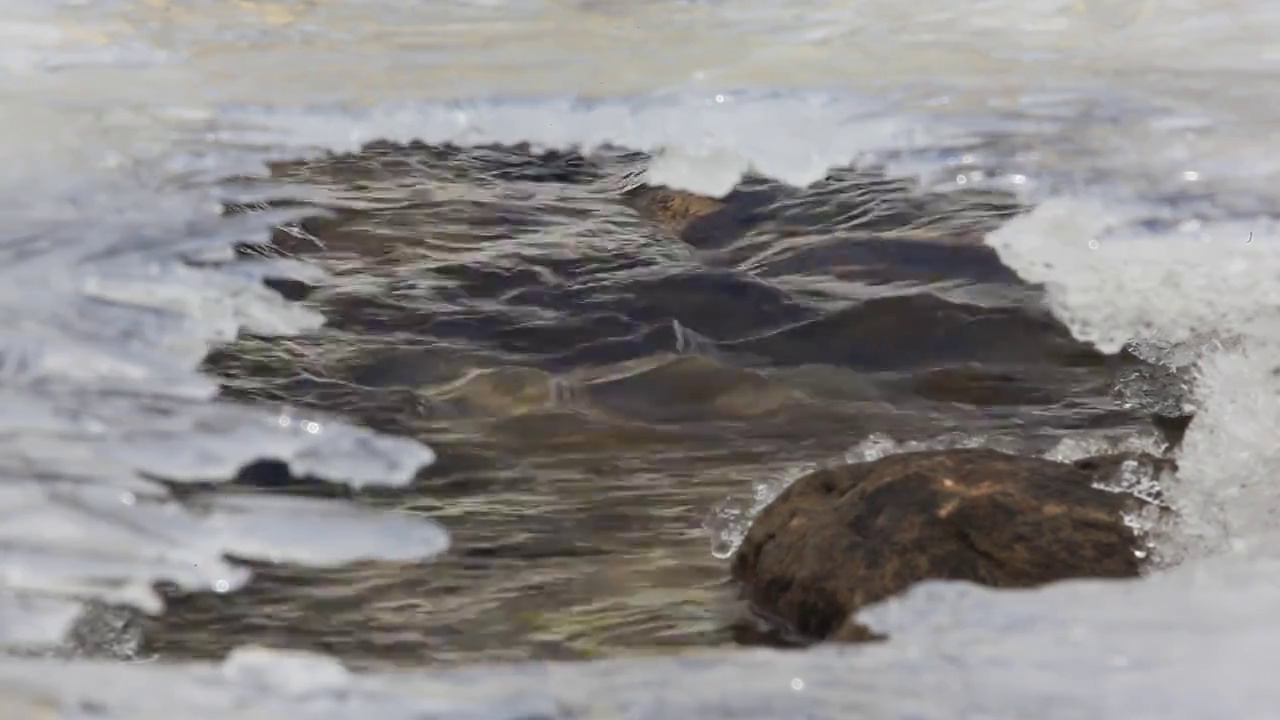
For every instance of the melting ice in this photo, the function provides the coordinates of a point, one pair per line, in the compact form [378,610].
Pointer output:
[1142,133]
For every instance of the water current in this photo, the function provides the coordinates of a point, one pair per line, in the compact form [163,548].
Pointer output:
[446,348]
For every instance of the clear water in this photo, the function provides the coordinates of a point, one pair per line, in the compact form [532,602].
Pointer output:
[1142,134]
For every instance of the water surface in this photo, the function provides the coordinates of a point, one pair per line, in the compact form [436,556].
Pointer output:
[595,376]
[606,380]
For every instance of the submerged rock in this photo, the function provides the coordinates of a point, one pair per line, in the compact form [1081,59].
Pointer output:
[844,537]
[672,209]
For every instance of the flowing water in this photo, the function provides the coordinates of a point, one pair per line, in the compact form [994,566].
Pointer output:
[367,329]
[596,386]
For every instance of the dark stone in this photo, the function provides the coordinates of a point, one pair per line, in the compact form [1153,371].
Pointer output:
[878,260]
[844,537]
[290,289]
[1173,428]
[918,331]
[979,386]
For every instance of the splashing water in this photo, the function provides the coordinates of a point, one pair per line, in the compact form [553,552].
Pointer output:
[729,521]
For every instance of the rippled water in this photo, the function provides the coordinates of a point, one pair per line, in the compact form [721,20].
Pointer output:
[597,386]
[574,392]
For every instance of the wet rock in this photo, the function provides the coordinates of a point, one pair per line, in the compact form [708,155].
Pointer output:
[672,209]
[882,260]
[1173,428]
[917,331]
[703,222]
[843,537]
[979,386]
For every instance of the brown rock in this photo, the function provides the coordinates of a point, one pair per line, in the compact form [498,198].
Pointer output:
[709,223]
[844,537]
[672,209]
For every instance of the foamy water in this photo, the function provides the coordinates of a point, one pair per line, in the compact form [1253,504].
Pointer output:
[1143,133]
